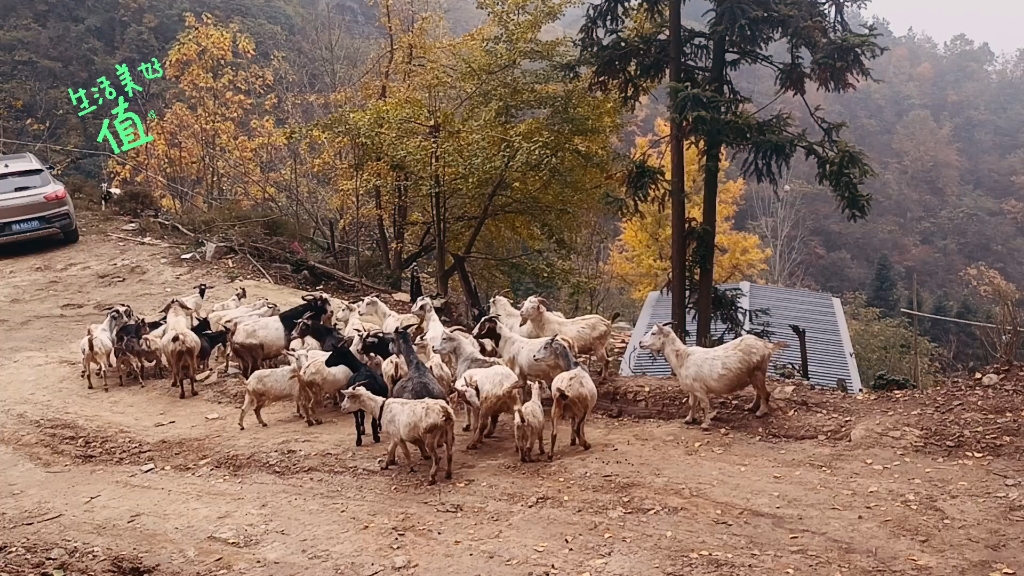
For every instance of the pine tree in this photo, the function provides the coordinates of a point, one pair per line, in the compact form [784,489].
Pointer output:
[883,294]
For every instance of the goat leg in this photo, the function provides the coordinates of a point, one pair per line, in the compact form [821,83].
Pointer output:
[423,449]
[359,428]
[581,432]
[408,456]
[434,461]
[692,416]
[87,372]
[479,435]
[491,426]
[554,436]
[390,458]
[572,431]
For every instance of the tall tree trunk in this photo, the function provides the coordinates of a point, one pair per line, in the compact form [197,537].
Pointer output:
[437,208]
[400,215]
[706,239]
[473,303]
[382,233]
[678,190]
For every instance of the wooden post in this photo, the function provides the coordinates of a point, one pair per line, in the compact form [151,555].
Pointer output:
[801,336]
[917,367]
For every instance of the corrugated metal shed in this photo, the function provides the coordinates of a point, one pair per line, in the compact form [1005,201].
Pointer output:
[829,349]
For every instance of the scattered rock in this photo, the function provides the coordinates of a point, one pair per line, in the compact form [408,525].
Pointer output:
[159,424]
[401,297]
[212,416]
[216,251]
[372,569]
[57,554]
[783,392]
[190,256]
[990,379]
[130,227]
[399,562]
[148,468]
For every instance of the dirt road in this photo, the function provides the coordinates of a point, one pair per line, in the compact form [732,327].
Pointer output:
[650,498]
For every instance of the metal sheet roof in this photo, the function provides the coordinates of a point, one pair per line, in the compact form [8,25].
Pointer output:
[829,350]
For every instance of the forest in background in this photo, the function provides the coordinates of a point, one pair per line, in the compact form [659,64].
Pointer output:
[942,128]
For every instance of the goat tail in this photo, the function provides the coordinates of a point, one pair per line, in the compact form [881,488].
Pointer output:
[615,316]
[89,340]
[776,346]
[519,419]
[175,338]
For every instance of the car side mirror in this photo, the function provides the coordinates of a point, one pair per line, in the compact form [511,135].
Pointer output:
[50,168]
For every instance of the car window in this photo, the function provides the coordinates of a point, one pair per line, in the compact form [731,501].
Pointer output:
[25,180]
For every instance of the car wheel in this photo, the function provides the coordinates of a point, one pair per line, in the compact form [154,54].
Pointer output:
[71,236]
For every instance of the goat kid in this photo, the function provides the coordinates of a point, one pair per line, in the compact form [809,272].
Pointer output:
[573,394]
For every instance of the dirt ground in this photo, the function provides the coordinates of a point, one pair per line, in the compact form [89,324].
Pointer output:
[909,483]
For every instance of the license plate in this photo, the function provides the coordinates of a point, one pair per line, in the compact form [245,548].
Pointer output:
[26,225]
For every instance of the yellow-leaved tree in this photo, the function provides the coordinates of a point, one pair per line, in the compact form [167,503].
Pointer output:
[212,144]
[641,258]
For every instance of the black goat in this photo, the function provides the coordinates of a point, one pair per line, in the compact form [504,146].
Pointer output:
[362,377]
[419,382]
[329,338]
[377,343]
[128,348]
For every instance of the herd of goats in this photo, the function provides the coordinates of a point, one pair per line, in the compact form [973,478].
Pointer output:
[408,370]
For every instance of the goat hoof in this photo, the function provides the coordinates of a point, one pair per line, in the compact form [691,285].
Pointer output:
[432,481]
[90,386]
[464,428]
[181,396]
[376,439]
[472,447]
[447,475]
[264,424]
[586,446]
[318,421]
[310,422]
[761,414]
[359,441]
[550,456]
[572,442]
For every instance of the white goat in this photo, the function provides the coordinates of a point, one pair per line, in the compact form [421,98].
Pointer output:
[97,346]
[388,319]
[511,317]
[517,351]
[195,301]
[725,369]
[589,334]
[267,338]
[427,423]
[437,367]
[432,326]
[488,392]
[217,318]
[463,348]
[528,424]
[231,303]
[180,346]
[573,393]
[271,385]
[316,379]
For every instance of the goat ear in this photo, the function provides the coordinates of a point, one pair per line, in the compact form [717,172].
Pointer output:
[543,302]
[166,307]
[308,297]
